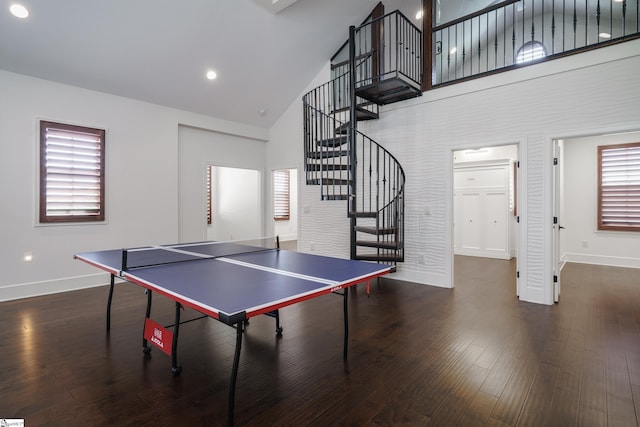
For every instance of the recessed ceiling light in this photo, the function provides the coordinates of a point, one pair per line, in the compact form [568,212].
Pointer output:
[211,74]
[19,11]
[604,35]
[419,14]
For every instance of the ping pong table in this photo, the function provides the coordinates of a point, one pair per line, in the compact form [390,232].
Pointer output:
[230,282]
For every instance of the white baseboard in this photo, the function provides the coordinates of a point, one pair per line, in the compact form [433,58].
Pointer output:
[602,260]
[483,254]
[288,237]
[418,277]
[35,289]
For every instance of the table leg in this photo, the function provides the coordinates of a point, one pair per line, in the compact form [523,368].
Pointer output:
[346,322]
[234,373]
[175,368]
[113,280]
[146,348]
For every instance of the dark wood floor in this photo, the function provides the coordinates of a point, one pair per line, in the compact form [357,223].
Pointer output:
[419,355]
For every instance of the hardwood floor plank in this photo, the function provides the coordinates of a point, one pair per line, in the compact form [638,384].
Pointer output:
[537,408]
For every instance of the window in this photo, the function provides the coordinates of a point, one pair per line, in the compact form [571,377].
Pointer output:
[281,195]
[209,195]
[72,185]
[619,187]
[530,51]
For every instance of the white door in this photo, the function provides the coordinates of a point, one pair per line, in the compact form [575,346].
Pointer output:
[496,222]
[557,224]
[481,211]
[471,226]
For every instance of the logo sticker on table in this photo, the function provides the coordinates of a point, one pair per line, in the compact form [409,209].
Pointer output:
[158,335]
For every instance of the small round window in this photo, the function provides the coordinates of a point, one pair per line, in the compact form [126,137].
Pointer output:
[530,51]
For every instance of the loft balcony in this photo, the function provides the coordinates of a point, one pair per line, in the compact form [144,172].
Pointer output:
[388,60]
[515,33]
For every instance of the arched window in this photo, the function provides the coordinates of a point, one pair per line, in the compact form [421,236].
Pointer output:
[530,51]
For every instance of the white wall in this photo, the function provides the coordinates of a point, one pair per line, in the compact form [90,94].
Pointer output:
[285,150]
[141,180]
[589,93]
[580,240]
[197,149]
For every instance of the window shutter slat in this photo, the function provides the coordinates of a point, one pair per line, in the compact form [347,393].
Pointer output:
[281,196]
[619,187]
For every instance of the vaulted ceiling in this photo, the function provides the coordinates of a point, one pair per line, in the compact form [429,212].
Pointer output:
[264,51]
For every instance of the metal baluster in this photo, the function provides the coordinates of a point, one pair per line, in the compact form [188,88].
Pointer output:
[586,22]
[575,24]
[513,37]
[564,23]
[533,20]
[542,21]
[524,18]
[553,27]
[464,46]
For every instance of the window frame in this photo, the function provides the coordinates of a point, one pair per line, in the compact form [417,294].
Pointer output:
[526,53]
[603,223]
[44,217]
[279,195]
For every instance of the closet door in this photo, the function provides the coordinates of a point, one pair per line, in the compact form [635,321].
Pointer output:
[471,222]
[496,210]
[481,211]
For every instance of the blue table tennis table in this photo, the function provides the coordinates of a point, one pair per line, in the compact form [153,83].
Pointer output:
[230,282]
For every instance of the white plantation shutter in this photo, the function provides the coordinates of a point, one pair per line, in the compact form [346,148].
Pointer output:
[281,195]
[619,187]
[71,173]
[209,195]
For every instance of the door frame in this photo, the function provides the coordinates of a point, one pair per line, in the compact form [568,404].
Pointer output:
[520,201]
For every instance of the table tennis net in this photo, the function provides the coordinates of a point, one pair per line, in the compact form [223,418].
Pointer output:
[151,256]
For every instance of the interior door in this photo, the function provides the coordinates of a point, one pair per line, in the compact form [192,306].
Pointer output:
[557,227]
[496,227]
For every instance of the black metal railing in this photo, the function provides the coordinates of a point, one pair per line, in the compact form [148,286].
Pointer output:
[390,47]
[340,88]
[516,32]
[378,196]
[379,199]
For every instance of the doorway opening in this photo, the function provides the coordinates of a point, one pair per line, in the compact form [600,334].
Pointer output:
[485,207]
[234,203]
[576,237]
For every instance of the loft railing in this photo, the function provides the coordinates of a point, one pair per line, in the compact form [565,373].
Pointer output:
[340,88]
[513,32]
[390,47]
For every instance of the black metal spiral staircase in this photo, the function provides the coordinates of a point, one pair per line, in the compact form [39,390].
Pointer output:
[348,165]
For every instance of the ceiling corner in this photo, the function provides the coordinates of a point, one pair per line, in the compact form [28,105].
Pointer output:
[275,6]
